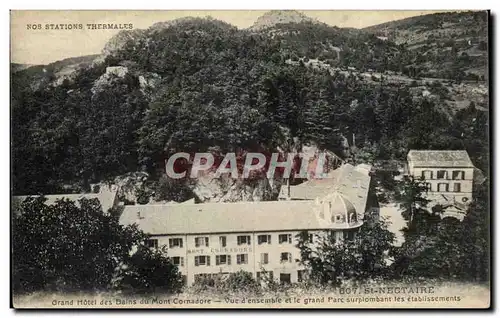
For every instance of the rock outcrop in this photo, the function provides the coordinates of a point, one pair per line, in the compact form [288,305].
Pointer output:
[112,73]
[275,17]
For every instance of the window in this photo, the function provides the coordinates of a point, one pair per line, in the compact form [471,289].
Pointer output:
[427,174]
[223,260]
[178,260]
[458,175]
[353,218]
[264,258]
[286,257]
[201,241]
[244,239]
[202,260]
[427,186]
[301,275]
[242,259]
[151,243]
[285,278]
[349,235]
[262,239]
[283,238]
[456,187]
[441,174]
[222,241]
[338,218]
[310,238]
[443,187]
[175,242]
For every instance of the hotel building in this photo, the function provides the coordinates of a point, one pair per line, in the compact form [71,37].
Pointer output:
[448,176]
[257,237]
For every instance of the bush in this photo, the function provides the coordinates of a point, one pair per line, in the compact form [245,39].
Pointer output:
[172,190]
[240,281]
[142,195]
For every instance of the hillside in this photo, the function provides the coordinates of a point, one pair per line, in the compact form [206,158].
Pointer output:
[276,17]
[447,45]
[40,76]
[198,84]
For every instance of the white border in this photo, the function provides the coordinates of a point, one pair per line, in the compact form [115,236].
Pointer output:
[213,5]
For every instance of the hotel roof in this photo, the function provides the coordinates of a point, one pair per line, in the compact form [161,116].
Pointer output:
[106,198]
[440,158]
[347,194]
[222,217]
[352,182]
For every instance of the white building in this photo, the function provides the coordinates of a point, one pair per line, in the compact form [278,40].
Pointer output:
[258,237]
[448,175]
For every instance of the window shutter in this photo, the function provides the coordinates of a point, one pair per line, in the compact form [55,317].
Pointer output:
[206,241]
[181,243]
[208,260]
[259,239]
[196,242]
[289,238]
[170,243]
[217,259]
[248,239]
[182,261]
[238,259]
[196,261]
[269,239]
[229,260]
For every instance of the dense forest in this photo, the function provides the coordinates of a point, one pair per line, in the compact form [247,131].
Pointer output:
[204,85]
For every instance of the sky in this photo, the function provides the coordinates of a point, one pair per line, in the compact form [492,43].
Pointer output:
[41,46]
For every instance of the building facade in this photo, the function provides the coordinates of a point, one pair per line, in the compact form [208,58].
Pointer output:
[448,176]
[257,237]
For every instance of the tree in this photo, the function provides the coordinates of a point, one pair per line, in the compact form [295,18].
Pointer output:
[73,246]
[148,270]
[331,260]
[476,234]
[410,194]
[447,248]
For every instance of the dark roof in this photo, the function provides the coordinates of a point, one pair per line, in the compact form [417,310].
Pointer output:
[440,158]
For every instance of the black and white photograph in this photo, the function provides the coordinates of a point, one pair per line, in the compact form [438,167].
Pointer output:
[250,159]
